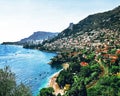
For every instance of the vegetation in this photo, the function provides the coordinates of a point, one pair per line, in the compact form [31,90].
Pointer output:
[78,89]
[47,92]
[107,86]
[89,74]
[77,75]
[8,86]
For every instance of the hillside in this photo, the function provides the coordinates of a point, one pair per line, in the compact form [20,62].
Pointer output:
[89,31]
[107,20]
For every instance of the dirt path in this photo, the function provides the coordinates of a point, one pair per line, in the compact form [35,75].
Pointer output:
[104,72]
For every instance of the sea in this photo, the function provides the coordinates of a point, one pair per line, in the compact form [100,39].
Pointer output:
[30,66]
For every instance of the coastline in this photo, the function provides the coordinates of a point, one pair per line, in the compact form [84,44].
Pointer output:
[52,83]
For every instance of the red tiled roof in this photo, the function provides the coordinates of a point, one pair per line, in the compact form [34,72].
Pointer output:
[83,63]
[113,57]
[105,55]
[113,61]
[118,51]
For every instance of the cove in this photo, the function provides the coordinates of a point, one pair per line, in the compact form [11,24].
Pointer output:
[30,66]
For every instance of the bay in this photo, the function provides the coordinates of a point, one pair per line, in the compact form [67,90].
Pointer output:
[30,66]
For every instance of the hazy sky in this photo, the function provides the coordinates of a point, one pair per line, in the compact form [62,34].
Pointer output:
[20,18]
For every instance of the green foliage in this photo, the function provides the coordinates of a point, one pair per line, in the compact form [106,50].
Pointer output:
[95,68]
[64,78]
[107,86]
[109,80]
[85,71]
[112,51]
[91,56]
[7,81]
[78,89]
[59,94]
[47,92]
[60,59]
[8,85]
[114,69]
[75,73]
[22,90]
[74,67]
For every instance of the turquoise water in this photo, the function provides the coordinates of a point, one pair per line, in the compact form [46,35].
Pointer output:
[30,66]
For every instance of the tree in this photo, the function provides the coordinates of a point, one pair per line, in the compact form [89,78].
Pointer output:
[47,91]
[8,86]
[85,71]
[64,77]
[114,69]
[59,94]
[78,89]
[22,90]
[74,67]
[107,86]
[7,81]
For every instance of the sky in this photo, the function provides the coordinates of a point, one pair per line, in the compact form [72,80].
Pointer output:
[20,18]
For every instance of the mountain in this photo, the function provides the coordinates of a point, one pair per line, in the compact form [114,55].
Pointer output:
[93,29]
[35,38]
[39,36]
[108,20]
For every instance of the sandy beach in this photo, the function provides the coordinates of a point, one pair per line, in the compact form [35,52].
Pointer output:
[52,83]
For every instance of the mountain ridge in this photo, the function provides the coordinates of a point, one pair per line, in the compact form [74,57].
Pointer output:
[39,35]
[94,19]
[35,38]
[87,31]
